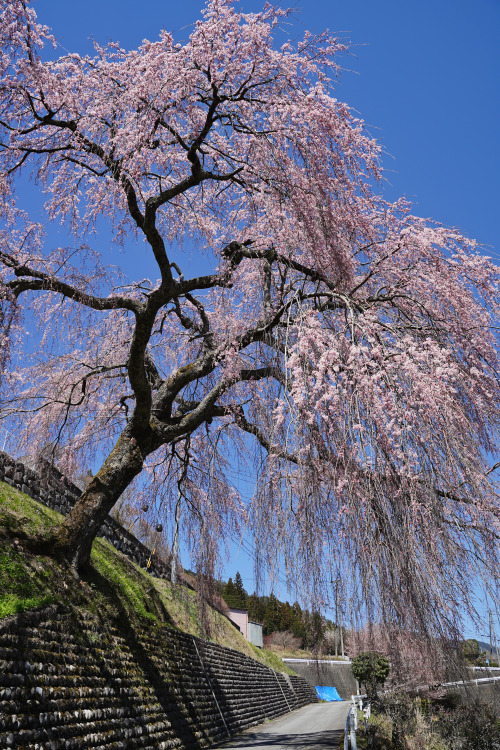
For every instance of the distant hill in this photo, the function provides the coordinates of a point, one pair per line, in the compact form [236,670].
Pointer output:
[486,648]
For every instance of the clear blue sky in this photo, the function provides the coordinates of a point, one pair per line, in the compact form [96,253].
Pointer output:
[425,77]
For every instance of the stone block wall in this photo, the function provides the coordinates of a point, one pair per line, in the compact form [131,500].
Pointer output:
[51,488]
[68,684]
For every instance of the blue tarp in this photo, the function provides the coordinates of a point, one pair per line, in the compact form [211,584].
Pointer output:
[327,693]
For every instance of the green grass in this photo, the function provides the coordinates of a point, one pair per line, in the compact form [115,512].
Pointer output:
[25,581]
[113,589]
[272,660]
[130,585]
[20,511]
[24,584]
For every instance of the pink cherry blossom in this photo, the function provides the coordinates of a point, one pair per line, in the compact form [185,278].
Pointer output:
[340,347]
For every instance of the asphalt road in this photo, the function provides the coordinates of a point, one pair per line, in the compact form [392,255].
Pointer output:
[316,727]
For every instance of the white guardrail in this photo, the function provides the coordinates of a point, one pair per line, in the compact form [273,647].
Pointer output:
[351,722]
[458,683]
[437,685]
[319,661]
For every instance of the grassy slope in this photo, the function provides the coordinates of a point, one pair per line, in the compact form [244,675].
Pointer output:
[28,581]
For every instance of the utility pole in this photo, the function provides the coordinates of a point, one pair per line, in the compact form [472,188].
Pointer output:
[338,623]
[491,627]
[336,618]
[493,638]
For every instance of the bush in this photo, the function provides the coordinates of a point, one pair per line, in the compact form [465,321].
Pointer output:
[371,669]
[470,726]
[447,722]
[284,639]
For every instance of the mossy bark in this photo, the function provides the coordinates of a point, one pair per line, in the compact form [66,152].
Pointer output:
[72,540]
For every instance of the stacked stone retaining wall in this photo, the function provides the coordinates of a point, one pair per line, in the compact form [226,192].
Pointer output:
[51,488]
[67,685]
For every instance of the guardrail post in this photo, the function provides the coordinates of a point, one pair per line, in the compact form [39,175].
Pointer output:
[346,733]
[351,722]
[353,727]
[366,715]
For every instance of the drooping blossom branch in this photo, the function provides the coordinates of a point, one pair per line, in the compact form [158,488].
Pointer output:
[347,346]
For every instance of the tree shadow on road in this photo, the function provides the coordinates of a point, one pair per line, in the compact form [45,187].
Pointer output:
[309,740]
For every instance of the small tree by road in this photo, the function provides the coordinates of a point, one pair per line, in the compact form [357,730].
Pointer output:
[472,653]
[371,670]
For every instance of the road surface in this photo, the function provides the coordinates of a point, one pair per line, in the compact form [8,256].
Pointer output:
[316,727]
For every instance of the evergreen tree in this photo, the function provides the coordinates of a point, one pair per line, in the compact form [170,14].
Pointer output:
[230,594]
[241,594]
[256,608]
[297,621]
[234,594]
[306,620]
[271,616]
[286,618]
[317,628]
[371,669]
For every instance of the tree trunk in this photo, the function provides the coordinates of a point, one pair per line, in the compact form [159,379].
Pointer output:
[72,540]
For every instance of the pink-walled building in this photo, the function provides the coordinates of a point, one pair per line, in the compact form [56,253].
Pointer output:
[240,619]
[252,631]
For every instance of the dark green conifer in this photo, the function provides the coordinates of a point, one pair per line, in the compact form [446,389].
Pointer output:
[234,594]
[241,594]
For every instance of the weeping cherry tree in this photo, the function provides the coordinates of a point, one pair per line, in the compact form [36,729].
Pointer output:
[347,346]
